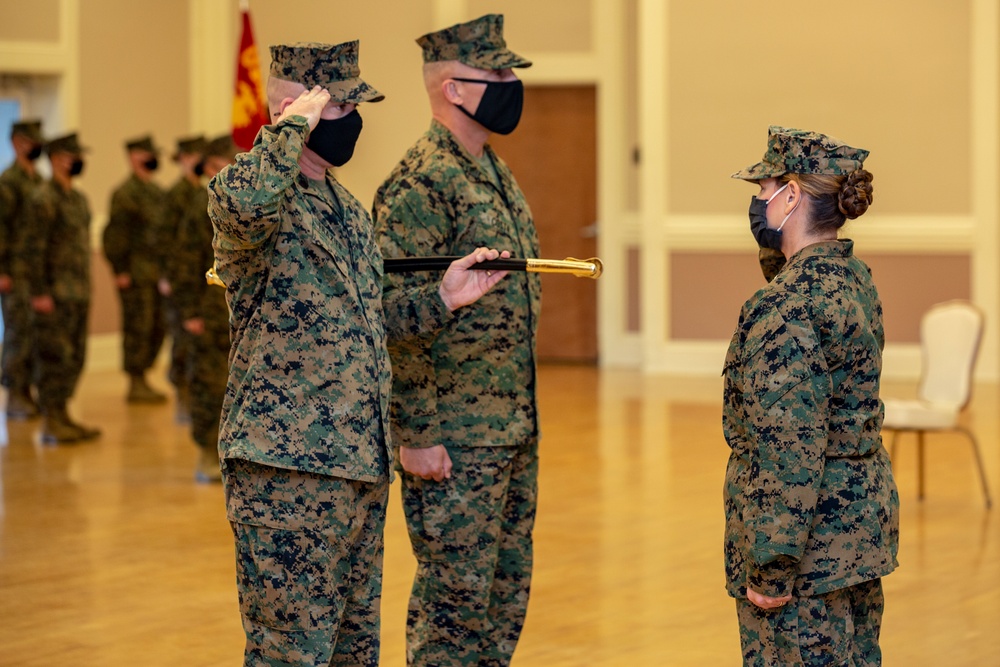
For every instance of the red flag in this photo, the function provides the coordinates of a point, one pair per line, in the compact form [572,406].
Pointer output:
[249,106]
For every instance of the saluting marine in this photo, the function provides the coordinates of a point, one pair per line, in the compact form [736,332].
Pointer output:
[305,420]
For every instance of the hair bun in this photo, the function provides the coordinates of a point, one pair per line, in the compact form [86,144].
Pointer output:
[856,193]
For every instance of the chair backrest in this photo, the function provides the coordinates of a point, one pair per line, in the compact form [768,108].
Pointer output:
[949,339]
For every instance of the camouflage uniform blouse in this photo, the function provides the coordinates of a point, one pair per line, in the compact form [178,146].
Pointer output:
[132,235]
[309,371]
[472,384]
[16,188]
[811,505]
[58,244]
[192,255]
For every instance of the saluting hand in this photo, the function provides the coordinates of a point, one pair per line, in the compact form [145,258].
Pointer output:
[463,285]
[309,104]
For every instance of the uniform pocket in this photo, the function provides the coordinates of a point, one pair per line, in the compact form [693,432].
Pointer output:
[284,577]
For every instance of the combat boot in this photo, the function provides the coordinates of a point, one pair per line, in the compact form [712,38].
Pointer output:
[140,392]
[56,429]
[86,432]
[208,469]
[21,406]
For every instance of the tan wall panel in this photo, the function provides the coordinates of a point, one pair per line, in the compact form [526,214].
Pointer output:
[708,290]
[105,305]
[892,77]
[35,21]
[133,81]
[910,284]
[541,27]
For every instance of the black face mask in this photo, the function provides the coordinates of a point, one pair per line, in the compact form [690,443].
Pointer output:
[500,107]
[199,169]
[35,153]
[766,238]
[76,168]
[151,164]
[334,140]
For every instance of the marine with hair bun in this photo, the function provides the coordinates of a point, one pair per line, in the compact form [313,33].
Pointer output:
[811,505]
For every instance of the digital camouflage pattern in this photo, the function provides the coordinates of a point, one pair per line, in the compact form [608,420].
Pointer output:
[841,627]
[309,370]
[477,43]
[471,534]
[69,143]
[131,246]
[309,552]
[334,67]
[771,262]
[58,244]
[196,299]
[802,152]
[811,505]
[16,189]
[470,386]
[473,383]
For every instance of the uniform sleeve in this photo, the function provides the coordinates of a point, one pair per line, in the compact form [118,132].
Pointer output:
[6,226]
[787,406]
[40,223]
[245,197]
[414,312]
[115,239]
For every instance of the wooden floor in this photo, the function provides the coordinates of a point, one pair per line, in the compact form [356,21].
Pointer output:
[110,554]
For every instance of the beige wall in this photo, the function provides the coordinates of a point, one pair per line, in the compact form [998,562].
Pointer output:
[691,85]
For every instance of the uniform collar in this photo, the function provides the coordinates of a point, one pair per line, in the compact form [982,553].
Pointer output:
[444,138]
[837,248]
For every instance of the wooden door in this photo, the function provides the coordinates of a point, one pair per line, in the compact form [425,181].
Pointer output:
[553,154]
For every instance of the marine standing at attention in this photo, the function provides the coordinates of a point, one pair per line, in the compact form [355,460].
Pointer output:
[465,413]
[811,507]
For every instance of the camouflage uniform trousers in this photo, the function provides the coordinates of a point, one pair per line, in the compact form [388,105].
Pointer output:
[836,628]
[210,357]
[19,371]
[61,348]
[143,326]
[472,537]
[308,564]
[182,346]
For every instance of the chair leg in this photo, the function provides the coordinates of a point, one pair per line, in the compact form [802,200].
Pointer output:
[979,464]
[920,465]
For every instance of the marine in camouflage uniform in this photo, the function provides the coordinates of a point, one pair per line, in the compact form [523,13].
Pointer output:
[185,202]
[204,314]
[304,435]
[17,183]
[471,387]
[130,244]
[811,505]
[58,263]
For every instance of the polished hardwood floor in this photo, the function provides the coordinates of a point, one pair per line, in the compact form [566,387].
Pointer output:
[111,555]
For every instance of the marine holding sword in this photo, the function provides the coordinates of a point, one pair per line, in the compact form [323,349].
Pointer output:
[464,404]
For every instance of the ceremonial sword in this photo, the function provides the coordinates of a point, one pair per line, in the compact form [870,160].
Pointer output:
[581,268]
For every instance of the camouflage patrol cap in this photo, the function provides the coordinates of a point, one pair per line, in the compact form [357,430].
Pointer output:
[334,67]
[190,145]
[65,144]
[478,43]
[141,144]
[222,146]
[800,152]
[32,129]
